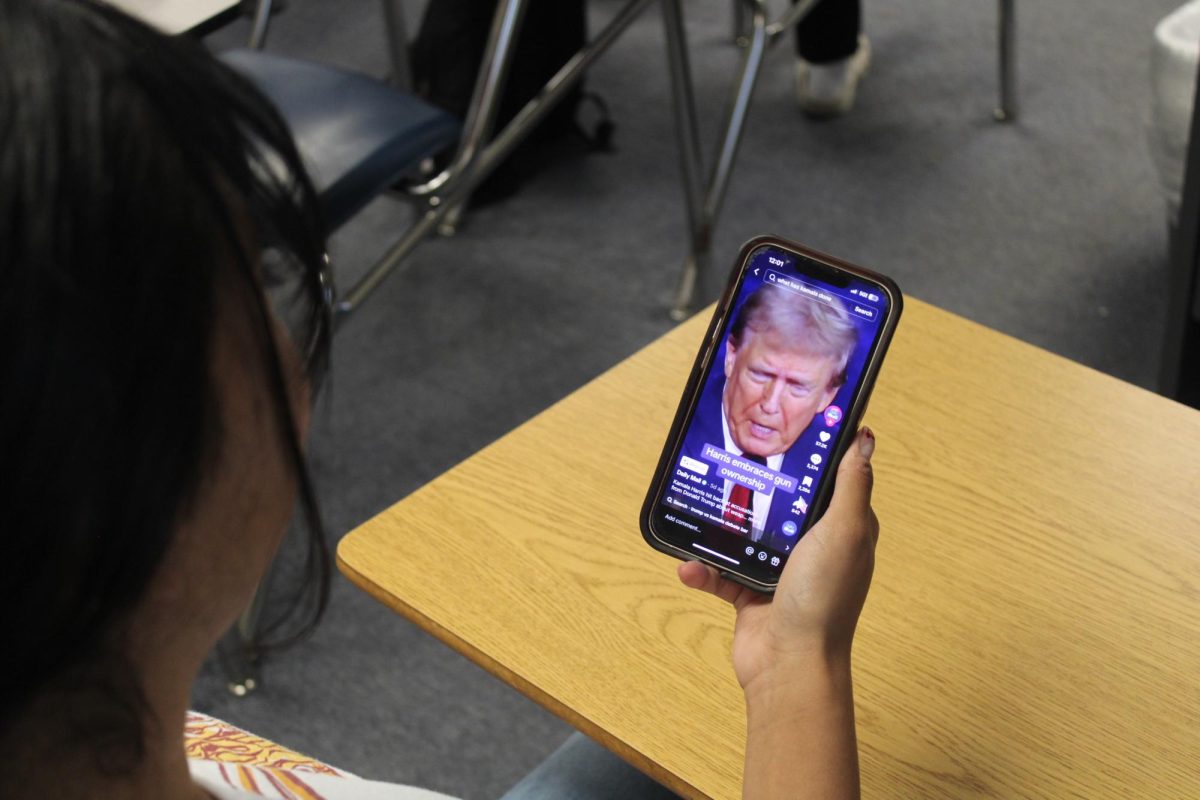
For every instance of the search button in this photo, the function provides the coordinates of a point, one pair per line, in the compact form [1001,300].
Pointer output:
[864,312]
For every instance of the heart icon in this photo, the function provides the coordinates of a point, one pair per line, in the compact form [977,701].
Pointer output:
[825,435]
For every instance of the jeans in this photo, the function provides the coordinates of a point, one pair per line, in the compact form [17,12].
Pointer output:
[583,770]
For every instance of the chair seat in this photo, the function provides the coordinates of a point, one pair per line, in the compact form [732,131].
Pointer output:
[357,135]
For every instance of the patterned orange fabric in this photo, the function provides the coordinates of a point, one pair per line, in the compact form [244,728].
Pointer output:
[213,740]
[269,782]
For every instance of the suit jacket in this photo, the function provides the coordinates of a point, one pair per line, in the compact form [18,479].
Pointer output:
[706,428]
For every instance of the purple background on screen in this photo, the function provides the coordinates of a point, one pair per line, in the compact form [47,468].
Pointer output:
[767,258]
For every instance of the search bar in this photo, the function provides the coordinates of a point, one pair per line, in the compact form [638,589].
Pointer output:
[821,295]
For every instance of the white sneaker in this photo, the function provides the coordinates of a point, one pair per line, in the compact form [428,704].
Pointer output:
[827,90]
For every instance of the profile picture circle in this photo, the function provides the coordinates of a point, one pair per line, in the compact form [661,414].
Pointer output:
[833,415]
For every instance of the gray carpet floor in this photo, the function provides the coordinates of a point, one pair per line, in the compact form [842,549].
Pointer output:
[1051,230]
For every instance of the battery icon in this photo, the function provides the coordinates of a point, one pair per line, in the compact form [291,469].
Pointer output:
[872,297]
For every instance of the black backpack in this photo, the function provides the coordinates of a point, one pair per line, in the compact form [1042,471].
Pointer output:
[446,55]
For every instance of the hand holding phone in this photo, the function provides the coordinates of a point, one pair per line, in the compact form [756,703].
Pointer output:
[774,399]
[815,610]
[791,652]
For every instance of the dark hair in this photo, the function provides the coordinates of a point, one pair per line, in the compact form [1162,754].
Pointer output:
[139,178]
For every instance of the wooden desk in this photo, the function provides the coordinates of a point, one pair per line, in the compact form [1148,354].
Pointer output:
[1034,625]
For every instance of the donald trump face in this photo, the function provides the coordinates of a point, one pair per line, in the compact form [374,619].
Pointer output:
[772,392]
[784,363]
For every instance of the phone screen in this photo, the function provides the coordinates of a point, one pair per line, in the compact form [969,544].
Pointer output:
[753,465]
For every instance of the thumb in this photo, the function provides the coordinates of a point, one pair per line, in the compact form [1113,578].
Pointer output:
[852,489]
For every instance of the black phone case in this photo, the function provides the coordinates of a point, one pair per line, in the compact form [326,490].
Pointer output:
[708,348]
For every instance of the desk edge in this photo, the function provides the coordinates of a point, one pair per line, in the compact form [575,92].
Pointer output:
[525,687]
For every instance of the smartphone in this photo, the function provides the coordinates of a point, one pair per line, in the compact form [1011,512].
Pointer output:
[773,401]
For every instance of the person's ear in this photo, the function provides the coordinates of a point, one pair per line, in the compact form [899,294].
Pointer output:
[730,358]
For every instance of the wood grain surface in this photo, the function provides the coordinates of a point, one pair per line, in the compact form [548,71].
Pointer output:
[1034,625]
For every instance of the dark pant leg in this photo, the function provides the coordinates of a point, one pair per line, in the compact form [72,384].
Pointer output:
[830,31]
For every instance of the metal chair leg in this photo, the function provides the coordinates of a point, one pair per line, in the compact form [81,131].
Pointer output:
[691,157]
[704,199]
[741,36]
[397,40]
[1006,111]
[450,223]
[476,160]
[258,26]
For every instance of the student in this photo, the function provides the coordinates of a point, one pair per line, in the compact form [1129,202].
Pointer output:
[152,426]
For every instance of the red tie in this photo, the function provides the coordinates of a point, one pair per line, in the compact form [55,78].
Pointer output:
[739,511]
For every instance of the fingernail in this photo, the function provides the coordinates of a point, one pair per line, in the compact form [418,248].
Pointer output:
[866,442]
